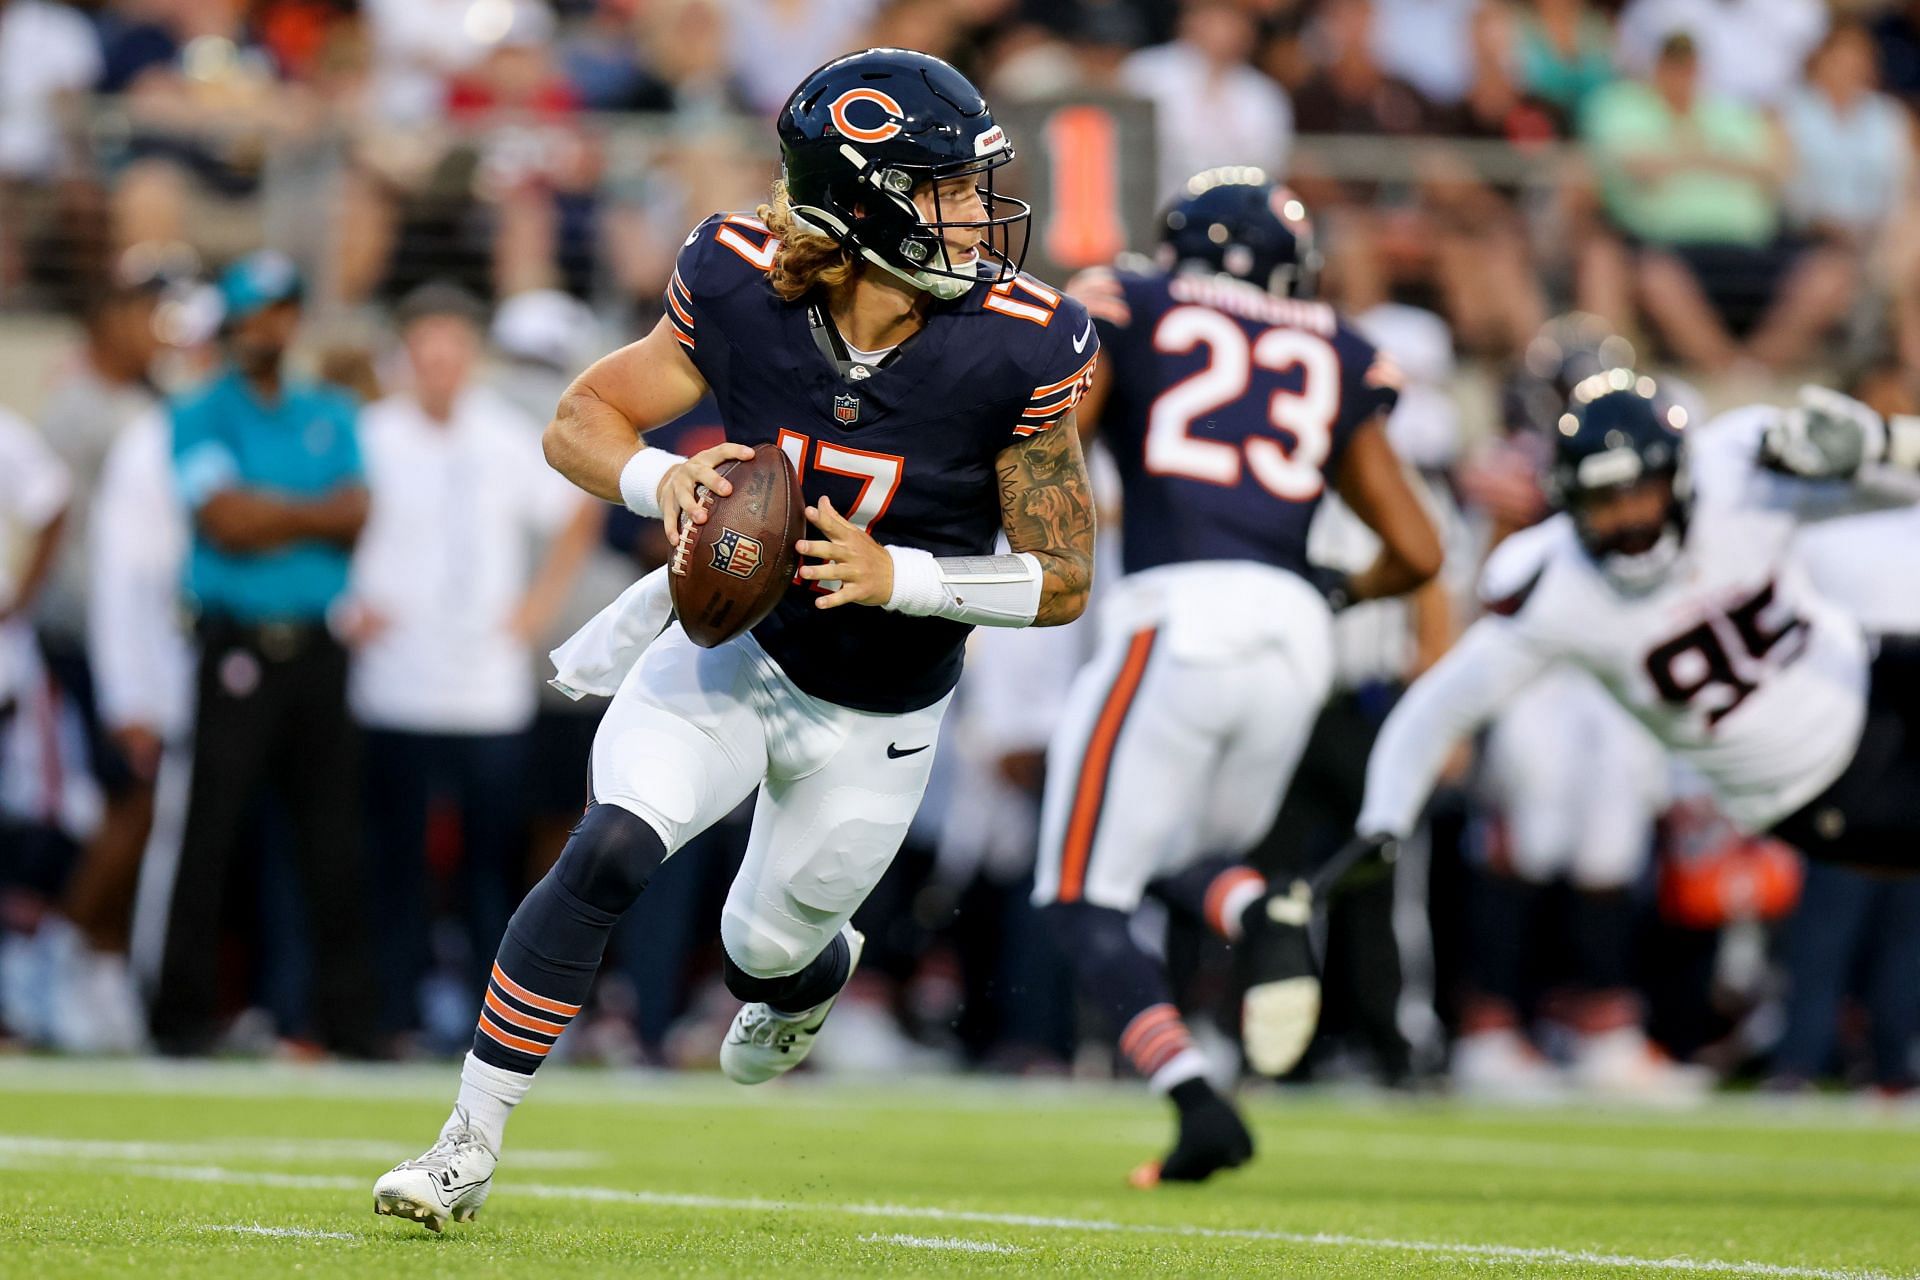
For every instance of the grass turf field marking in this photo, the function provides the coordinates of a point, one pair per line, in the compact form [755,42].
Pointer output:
[941,1242]
[292,1233]
[328,1150]
[1493,1253]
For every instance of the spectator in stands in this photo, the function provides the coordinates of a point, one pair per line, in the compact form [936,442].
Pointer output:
[269,467]
[657,57]
[108,388]
[1212,107]
[775,43]
[1563,53]
[421,46]
[1853,145]
[1446,229]
[446,605]
[1694,182]
[1427,43]
[1750,50]
[49,56]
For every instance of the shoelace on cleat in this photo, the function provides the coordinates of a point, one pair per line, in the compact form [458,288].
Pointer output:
[762,1027]
[440,1156]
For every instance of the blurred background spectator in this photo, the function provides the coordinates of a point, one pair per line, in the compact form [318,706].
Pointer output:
[444,604]
[269,466]
[1729,183]
[1694,182]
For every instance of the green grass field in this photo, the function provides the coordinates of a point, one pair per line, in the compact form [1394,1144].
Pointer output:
[118,1169]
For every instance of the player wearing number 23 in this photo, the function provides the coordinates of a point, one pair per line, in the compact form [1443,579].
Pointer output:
[1231,400]
[872,322]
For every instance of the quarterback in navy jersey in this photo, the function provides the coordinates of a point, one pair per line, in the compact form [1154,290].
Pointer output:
[1231,401]
[872,322]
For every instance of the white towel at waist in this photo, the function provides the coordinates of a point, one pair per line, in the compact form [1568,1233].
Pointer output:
[596,658]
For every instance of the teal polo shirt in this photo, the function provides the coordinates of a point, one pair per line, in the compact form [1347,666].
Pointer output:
[226,437]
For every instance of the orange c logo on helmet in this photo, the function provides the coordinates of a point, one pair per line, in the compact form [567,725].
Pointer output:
[887,128]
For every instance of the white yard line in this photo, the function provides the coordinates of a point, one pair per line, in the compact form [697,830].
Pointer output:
[291,1233]
[1495,1253]
[311,1151]
[955,1243]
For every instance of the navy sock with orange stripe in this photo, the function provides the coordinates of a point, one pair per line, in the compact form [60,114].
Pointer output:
[1129,986]
[552,948]
[1214,892]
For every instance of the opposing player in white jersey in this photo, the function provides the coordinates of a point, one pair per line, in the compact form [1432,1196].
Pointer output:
[1234,402]
[1671,574]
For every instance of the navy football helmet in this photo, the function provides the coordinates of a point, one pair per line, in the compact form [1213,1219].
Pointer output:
[862,133]
[1239,221]
[1616,433]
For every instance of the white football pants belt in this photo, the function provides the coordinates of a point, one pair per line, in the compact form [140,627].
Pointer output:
[987,591]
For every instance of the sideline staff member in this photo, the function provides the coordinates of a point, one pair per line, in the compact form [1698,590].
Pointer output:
[270,468]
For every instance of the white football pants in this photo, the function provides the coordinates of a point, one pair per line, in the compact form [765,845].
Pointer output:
[1167,751]
[691,732]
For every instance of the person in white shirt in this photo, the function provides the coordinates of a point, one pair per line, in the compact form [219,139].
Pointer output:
[1210,107]
[445,604]
[47,51]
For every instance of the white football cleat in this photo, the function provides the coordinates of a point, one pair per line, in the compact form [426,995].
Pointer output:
[763,1043]
[450,1181]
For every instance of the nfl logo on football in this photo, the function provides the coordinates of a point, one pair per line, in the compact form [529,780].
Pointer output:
[735,553]
[846,408]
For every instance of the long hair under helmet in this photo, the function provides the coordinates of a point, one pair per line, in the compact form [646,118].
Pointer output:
[862,133]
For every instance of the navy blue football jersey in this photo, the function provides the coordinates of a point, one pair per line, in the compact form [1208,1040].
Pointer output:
[906,451]
[1229,409]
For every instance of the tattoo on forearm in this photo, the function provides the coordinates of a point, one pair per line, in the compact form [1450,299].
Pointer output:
[1046,507]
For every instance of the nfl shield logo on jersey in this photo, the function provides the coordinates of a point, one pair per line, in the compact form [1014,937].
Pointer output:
[846,408]
[735,553]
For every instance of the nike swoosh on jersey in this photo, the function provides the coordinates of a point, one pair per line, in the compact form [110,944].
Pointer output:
[1080,343]
[895,753]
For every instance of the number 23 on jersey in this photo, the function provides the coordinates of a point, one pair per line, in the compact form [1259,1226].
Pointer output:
[1290,473]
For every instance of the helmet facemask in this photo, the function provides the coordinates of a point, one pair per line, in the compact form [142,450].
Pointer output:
[889,229]
[1634,555]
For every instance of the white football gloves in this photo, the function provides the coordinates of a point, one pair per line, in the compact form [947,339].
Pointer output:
[1827,436]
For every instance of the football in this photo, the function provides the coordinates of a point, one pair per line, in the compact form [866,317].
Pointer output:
[728,573]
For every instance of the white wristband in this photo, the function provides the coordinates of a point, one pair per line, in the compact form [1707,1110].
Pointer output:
[988,591]
[640,479]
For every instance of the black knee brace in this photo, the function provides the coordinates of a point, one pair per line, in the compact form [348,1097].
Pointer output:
[821,979]
[610,857]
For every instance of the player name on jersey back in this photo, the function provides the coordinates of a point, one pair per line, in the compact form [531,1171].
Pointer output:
[1229,410]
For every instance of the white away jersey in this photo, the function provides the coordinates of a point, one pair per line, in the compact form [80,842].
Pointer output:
[1733,662]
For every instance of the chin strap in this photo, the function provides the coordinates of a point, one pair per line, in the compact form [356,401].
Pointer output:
[944,287]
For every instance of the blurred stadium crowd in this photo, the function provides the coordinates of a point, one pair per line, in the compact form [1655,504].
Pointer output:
[470,199]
